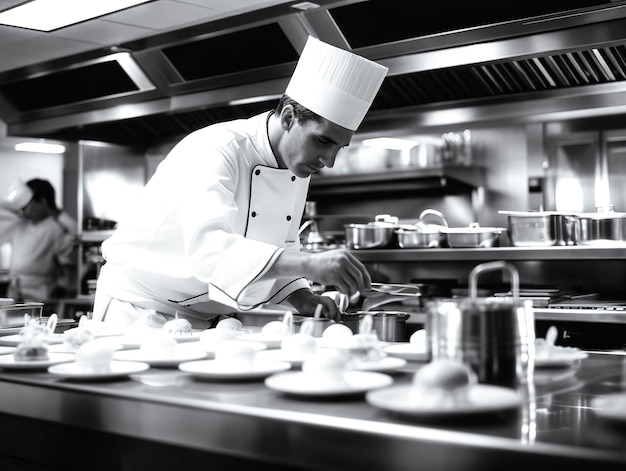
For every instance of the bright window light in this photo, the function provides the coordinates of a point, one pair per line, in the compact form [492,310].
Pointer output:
[392,143]
[48,15]
[40,147]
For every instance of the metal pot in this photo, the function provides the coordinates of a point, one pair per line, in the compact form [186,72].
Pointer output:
[390,326]
[473,236]
[379,234]
[540,228]
[603,228]
[423,235]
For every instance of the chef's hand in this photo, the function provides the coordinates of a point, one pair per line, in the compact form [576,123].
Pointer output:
[341,269]
[305,302]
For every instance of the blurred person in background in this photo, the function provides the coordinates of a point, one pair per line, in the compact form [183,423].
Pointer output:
[42,237]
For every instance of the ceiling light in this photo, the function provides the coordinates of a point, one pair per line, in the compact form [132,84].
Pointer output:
[40,147]
[305,6]
[48,15]
[392,143]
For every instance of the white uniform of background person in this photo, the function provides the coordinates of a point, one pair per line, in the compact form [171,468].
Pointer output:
[42,246]
[220,209]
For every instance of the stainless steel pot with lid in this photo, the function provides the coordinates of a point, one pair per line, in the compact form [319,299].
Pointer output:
[423,234]
[379,234]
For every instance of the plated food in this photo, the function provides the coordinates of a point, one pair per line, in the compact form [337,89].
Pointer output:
[177,326]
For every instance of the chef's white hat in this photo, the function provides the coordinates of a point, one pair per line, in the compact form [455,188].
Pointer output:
[335,84]
[16,195]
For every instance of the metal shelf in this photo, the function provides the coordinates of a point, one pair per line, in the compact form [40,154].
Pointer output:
[495,253]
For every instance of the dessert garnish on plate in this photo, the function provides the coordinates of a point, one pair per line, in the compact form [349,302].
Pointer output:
[35,338]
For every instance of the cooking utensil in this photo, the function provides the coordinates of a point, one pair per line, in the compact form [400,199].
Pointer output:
[390,326]
[499,339]
[495,336]
[373,235]
[473,236]
[422,234]
[606,227]
[540,228]
[397,289]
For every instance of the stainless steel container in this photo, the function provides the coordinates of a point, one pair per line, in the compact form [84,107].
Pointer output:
[539,228]
[390,326]
[373,235]
[319,324]
[494,336]
[473,236]
[12,315]
[604,228]
[422,234]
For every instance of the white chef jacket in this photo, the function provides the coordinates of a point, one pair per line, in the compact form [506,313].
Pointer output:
[213,218]
[39,251]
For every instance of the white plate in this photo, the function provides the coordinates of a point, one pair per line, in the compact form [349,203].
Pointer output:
[135,341]
[182,338]
[106,333]
[213,369]
[382,365]
[8,361]
[16,339]
[610,406]
[179,355]
[481,398]
[281,355]
[406,351]
[560,357]
[64,348]
[267,340]
[303,384]
[118,368]
[210,349]
[5,350]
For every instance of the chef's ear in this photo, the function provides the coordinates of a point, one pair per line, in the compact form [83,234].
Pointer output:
[287,117]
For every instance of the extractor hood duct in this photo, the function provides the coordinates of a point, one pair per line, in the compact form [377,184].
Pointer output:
[527,62]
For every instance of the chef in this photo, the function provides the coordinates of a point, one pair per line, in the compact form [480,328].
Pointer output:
[42,237]
[216,227]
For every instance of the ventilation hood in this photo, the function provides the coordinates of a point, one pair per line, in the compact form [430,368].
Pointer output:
[457,62]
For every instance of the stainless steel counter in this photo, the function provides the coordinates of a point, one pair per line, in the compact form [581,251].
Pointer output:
[126,424]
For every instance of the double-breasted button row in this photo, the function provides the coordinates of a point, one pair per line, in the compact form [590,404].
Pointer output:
[254,214]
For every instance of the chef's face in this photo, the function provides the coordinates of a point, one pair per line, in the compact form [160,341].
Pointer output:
[36,210]
[309,145]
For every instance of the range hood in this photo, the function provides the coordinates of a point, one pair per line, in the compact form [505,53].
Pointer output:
[457,62]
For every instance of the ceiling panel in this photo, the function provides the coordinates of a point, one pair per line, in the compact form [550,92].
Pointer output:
[101,31]
[163,14]
[131,24]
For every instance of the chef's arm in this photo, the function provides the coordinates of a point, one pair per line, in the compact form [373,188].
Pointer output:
[338,268]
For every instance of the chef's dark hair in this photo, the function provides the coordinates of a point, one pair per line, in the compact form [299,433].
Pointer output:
[302,113]
[43,191]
